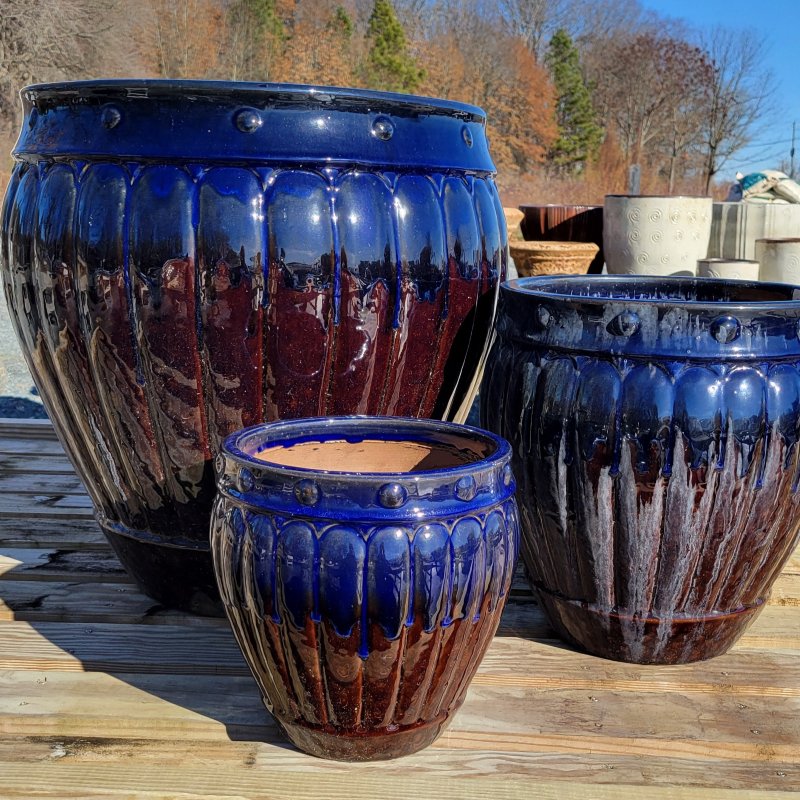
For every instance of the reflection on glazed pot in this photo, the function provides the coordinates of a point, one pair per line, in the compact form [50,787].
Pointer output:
[169,288]
[655,432]
[364,600]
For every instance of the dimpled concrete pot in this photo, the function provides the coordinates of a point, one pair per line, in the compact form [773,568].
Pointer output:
[364,564]
[183,259]
[655,432]
[655,235]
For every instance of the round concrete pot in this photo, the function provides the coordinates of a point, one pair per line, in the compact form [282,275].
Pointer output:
[655,235]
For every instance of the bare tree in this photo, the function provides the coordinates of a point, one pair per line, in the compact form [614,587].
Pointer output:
[52,40]
[534,21]
[649,88]
[739,96]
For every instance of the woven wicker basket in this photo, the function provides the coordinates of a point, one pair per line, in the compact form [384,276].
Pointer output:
[552,258]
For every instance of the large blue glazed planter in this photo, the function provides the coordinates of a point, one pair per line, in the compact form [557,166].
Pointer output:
[182,259]
[655,432]
[364,563]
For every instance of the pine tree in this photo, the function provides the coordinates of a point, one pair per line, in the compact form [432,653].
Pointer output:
[341,23]
[579,135]
[389,65]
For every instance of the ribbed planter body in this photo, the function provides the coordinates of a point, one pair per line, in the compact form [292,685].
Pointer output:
[654,235]
[364,602]
[185,259]
[565,223]
[735,227]
[655,433]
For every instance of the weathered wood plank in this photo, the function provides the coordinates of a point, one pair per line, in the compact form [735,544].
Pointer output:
[52,506]
[215,708]
[44,483]
[64,534]
[24,443]
[361,782]
[510,661]
[89,602]
[13,426]
[33,464]
[48,564]
[82,598]
[439,763]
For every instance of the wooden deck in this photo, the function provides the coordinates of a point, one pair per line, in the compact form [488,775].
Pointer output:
[104,693]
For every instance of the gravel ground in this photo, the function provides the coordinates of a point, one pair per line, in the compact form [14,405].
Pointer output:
[18,396]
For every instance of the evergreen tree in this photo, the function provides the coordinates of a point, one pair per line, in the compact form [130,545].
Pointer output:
[341,23]
[389,65]
[579,135]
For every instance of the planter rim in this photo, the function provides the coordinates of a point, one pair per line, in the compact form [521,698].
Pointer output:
[717,259]
[660,196]
[553,244]
[336,428]
[375,497]
[331,96]
[561,205]
[557,290]
[199,124]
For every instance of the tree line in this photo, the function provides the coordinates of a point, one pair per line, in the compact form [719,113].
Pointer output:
[575,90]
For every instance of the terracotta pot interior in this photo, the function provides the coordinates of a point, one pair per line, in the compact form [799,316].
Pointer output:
[374,455]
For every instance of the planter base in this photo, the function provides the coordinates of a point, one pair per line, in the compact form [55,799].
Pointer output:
[643,640]
[367,746]
[179,576]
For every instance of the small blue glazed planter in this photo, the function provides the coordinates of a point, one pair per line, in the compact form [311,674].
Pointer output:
[364,563]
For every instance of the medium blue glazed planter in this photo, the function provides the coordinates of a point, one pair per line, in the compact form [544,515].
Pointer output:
[364,563]
[183,259]
[655,432]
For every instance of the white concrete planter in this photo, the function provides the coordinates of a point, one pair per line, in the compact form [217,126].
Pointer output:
[736,226]
[734,269]
[655,235]
[779,259]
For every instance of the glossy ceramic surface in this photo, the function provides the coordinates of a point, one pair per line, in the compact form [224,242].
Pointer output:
[364,601]
[655,235]
[183,259]
[655,433]
[565,223]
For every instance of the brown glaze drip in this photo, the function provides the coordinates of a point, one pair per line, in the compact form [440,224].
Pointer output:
[372,455]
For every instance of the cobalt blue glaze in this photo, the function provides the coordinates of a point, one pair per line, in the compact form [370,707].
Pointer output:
[655,432]
[185,259]
[363,616]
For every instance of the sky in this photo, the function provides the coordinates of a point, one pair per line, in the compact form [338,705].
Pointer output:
[779,22]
